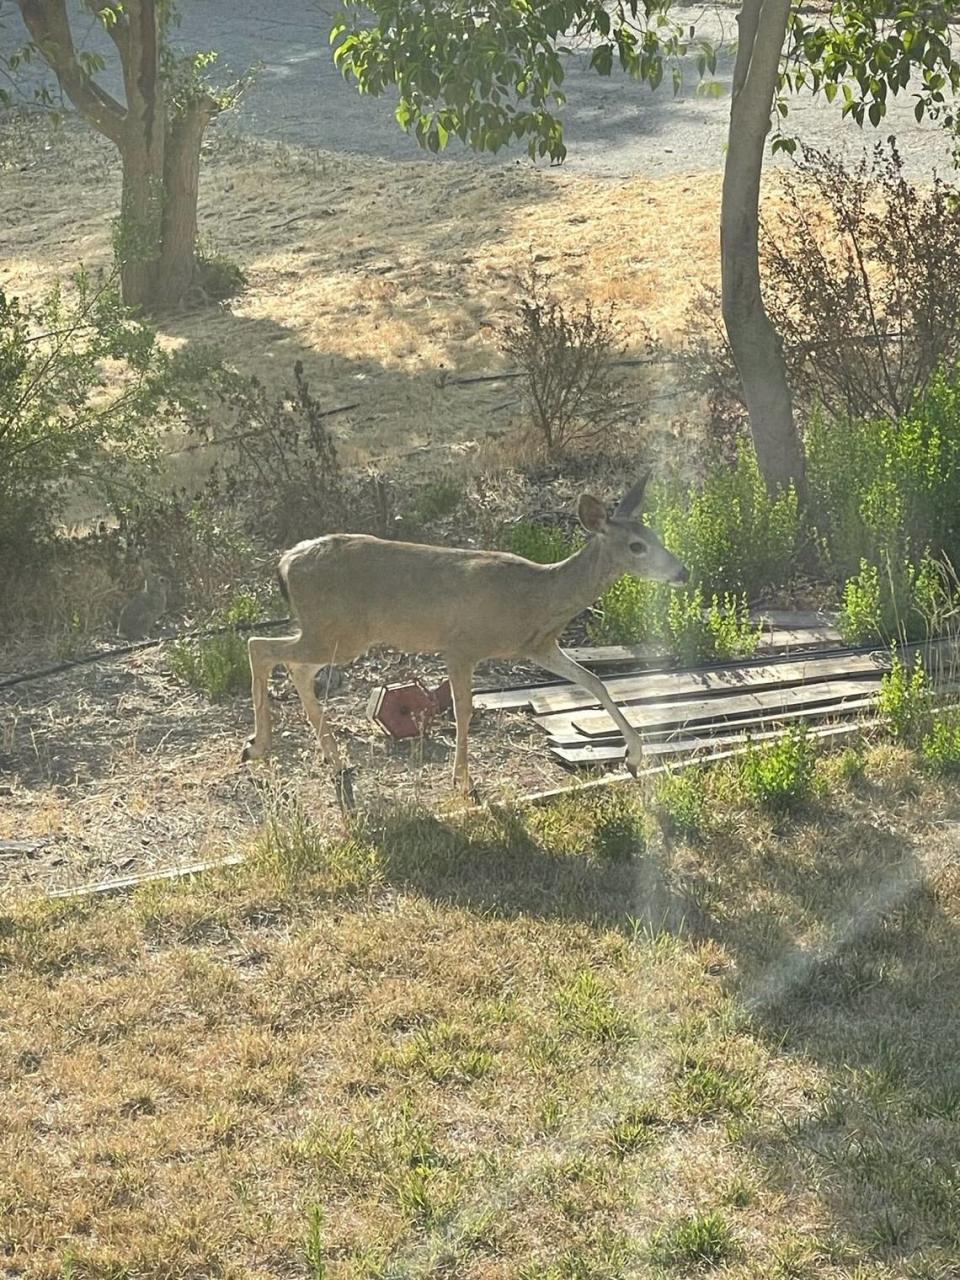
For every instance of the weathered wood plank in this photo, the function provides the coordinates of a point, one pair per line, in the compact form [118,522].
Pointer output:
[512,699]
[714,681]
[564,732]
[599,724]
[606,751]
[137,878]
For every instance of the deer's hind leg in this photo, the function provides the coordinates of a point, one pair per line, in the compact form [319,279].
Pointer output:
[267,652]
[303,675]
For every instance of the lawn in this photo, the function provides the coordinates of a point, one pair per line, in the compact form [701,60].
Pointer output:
[555,1043]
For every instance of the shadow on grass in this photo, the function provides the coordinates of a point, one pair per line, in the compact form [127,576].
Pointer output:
[542,863]
[844,926]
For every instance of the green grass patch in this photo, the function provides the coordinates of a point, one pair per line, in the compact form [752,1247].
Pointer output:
[700,1240]
[218,665]
[780,776]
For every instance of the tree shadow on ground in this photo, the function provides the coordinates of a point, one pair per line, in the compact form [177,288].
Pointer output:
[501,863]
[848,958]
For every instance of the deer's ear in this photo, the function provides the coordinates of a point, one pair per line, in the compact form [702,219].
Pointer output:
[591,513]
[633,498]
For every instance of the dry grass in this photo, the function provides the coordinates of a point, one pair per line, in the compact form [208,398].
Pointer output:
[501,1046]
[384,278]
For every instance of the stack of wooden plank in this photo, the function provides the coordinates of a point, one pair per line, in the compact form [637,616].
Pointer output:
[711,710]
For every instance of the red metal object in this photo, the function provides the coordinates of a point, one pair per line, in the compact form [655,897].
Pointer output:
[407,710]
[402,710]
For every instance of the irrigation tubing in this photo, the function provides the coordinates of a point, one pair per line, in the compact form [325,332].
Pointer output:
[121,651]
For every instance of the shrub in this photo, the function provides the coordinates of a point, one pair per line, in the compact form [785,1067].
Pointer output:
[780,776]
[630,612]
[218,277]
[722,631]
[867,322]
[69,431]
[633,611]
[435,500]
[542,543]
[218,665]
[571,393]
[862,281]
[940,747]
[730,533]
[278,463]
[889,487]
[905,700]
[897,601]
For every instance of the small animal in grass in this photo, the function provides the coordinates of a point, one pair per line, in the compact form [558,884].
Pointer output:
[140,615]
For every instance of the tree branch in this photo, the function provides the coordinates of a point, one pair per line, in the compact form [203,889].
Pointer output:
[49,26]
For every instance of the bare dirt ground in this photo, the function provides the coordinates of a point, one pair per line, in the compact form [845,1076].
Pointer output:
[117,768]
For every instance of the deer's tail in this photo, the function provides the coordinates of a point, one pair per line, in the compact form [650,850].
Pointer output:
[282,579]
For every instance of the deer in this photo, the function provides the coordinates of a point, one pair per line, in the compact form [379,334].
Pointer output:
[349,592]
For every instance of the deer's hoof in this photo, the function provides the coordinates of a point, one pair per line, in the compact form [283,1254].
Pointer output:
[250,751]
[634,765]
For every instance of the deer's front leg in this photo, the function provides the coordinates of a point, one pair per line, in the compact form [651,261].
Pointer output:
[561,664]
[461,686]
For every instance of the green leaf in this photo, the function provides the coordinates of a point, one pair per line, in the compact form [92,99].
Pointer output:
[602,59]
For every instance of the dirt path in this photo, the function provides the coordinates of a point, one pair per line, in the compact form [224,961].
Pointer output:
[614,128]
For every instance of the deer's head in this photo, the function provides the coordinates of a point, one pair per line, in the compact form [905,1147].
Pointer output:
[628,546]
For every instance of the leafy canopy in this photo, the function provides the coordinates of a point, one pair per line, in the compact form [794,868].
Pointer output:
[491,71]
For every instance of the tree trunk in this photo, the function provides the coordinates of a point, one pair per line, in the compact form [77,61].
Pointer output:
[159,149]
[756,346]
[181,179]
[141,150]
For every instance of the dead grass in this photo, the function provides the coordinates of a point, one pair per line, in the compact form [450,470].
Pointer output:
[385,278]
[478,1047]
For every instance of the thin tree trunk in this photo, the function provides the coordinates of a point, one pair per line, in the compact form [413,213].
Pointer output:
[141,149]
[755,343]
[181,178]
[159,150]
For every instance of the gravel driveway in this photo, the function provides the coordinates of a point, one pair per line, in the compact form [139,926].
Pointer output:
[613,127]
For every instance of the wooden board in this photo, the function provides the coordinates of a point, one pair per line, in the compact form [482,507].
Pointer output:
[138,878]
[608,752]
[714,681]
[593,724]
[825,711]
[512,699]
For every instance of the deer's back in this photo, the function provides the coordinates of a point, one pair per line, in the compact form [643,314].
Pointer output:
[363,591]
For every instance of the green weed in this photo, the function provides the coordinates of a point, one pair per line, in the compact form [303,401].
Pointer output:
[702,1239]
[218,665]
[905,700]
[681,803]
[780,776]
[541,543]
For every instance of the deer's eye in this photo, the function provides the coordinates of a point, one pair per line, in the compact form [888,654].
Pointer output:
[638,548]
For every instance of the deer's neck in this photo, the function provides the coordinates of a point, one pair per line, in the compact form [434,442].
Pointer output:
[584,576]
